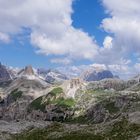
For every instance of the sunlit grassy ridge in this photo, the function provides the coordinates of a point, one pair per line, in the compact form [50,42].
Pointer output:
[56,91]
[54,97]
[15,94]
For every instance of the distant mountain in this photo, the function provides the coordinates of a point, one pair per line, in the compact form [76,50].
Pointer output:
[29,77]
[28,70]
[28,82]
[30,73]
[52,76]
[4,74]
[96,75]
[13,72]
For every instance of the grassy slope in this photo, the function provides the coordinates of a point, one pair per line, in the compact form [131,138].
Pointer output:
[53,97]
[15,94]
[121,130]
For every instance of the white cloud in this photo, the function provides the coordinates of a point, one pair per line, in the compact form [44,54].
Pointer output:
[98,66]
[74,43]
[124,25]
[137,67]
[107,42]
[51,27]
[64,61]
[4,37]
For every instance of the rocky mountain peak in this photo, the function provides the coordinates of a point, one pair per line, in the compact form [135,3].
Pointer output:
[96,75]
[28,70]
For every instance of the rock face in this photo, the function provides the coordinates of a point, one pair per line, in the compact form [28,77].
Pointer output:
[96,75]
[72,86]
[4,75]
[28,70]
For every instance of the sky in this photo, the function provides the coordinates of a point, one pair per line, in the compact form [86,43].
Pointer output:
[62,33]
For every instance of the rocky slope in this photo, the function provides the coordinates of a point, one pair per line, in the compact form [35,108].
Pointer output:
[97,115]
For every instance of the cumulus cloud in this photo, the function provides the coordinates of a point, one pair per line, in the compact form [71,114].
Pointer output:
[107,42]
[51,27]
[74,43]
[123,23]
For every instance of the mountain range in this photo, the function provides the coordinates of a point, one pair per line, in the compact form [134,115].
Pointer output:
[49,104]
[54,75]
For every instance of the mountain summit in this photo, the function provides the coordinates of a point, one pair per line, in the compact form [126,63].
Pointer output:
[28,70]
[96,75]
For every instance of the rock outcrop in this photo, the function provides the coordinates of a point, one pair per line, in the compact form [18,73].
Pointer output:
[71,86]
[27,71]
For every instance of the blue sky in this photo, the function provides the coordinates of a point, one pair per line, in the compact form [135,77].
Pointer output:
[54,33]
[87,16]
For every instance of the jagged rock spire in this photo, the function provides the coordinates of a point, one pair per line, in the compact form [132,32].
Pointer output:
[29,70]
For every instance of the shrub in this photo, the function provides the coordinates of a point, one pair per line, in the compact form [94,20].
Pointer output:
[37,104]
[56,91]
[15,94]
